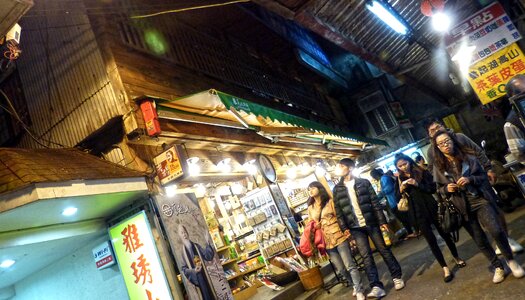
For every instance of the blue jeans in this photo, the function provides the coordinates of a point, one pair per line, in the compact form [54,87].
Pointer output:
[361,235]
[342,258]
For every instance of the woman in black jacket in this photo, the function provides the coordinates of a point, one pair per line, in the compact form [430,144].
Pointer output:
[462,180]
[418,184]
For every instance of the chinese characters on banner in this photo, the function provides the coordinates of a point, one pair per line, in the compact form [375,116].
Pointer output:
[192,245]
[489,30]
[489,76]
[168,165]
[138,259]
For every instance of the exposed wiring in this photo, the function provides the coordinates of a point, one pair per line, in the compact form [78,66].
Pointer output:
[12,52]
[189,8]
[12,112]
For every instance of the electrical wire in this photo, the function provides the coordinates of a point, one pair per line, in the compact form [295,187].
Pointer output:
[189,8]
[12,112]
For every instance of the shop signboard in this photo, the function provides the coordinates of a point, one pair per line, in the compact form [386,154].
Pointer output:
[169,165]
[489,76]
[192,245]
[138,259]
[103,256]
[488,30]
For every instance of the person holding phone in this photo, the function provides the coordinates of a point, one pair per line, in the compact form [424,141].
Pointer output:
[419,185]
[462,180]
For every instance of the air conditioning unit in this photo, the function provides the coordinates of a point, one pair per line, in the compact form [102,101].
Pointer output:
[13,34]
[10,12]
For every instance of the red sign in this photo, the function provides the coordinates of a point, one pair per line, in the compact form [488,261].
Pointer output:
[104,261]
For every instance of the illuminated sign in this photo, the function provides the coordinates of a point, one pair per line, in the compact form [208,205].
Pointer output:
[489,76]
[168,165]
[138,259]
[103,256]
[489,30]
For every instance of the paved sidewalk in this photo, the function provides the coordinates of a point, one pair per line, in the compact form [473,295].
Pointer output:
[423,275]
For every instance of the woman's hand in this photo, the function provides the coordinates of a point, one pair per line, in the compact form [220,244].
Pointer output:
[411,181]
[463,181]
[452,188]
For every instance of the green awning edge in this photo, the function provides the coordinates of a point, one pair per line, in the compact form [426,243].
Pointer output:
[276,115]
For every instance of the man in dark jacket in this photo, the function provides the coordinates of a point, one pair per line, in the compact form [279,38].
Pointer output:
[359,212]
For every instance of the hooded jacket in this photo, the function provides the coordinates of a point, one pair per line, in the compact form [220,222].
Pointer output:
[368,203]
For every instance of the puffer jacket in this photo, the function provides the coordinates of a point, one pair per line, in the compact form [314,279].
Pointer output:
[368,203]
[311,234]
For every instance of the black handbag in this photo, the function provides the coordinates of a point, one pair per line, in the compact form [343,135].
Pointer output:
[450,219]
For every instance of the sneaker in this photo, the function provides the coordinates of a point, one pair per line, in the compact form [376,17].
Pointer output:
[498,252]
[516,269]
[376,292]
[515,246]
[360,296]
[499,275]
[398,283]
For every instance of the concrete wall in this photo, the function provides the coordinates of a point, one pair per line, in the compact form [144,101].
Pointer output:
[74,277]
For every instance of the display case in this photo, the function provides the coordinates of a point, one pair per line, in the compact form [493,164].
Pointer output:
[263,216]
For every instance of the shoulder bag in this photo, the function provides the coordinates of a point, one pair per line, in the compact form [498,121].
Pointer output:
[402,204]
[450,218]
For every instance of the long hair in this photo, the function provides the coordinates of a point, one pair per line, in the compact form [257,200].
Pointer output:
[415,170]
[440,161]
[325,197]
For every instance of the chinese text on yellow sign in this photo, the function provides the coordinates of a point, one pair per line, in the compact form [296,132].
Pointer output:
[489,76]
[138,259]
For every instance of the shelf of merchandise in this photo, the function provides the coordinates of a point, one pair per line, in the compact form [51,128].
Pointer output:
[250,257]
[230,261]
[246,272]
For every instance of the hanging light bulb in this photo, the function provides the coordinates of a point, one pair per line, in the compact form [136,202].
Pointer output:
[170,190]
[225,165]
[193,166]
[291,173]
[250,167]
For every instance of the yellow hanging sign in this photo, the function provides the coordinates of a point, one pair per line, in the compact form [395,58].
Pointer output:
[489,76]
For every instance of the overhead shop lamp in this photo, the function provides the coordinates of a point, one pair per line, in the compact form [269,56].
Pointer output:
[388,15]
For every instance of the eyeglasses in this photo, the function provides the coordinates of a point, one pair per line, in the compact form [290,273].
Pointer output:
[434,129]
[444,143]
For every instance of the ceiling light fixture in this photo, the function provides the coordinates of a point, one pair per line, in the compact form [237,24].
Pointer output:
[170,190]
[441,21]
[193,166]
[250,167]
[225,166]
[7,263]
[69,211]
[388,15]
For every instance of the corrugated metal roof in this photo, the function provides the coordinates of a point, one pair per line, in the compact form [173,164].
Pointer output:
[413,54]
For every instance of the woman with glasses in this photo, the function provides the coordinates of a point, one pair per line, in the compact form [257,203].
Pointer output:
[461,179]
[321,210]
[419,185]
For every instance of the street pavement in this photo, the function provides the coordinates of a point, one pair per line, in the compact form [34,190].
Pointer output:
[424,277]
